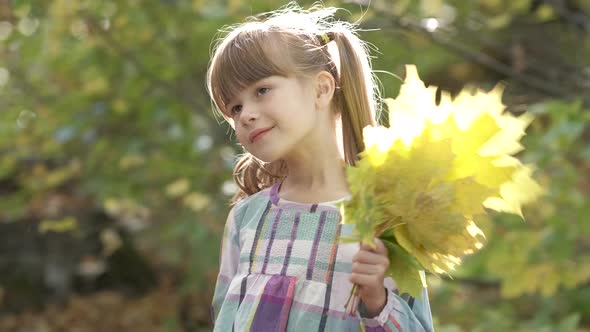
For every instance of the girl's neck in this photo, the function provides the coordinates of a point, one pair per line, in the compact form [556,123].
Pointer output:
[315,178]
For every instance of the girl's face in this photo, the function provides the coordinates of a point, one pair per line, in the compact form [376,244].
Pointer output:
[273,116]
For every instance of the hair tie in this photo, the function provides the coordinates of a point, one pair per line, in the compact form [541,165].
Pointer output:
[326,37]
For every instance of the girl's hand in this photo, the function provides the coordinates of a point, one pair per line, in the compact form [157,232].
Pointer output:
[368,272]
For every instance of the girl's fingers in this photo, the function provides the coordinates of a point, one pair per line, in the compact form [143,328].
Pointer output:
[380,247]
[364,279]
[361,268]
[365,246]
[368,257]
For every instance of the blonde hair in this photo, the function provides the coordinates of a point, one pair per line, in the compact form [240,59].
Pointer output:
[244,56]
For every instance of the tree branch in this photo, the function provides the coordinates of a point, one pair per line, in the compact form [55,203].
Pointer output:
[543,86]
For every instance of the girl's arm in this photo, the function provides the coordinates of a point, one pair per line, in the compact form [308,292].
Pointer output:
[401,313]
[228,262]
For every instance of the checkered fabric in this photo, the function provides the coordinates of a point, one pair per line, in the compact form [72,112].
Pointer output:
[282,269]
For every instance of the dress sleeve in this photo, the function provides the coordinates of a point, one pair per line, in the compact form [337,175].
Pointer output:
[401,313]
[229,260]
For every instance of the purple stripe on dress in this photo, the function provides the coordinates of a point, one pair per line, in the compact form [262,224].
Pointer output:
[314,249]
[314,207]
[273,232]
[304,207]
[243,288]
[275,303]
[274,193]
[330,278]
[284,318]
[257,236]
[311,308]
[290,245]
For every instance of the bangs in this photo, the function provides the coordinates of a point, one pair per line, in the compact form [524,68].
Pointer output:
[245,59]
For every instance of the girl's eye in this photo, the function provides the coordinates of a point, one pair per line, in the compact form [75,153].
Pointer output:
[263,91]
[236,109]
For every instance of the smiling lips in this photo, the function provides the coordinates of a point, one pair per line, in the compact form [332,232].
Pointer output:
[258,133]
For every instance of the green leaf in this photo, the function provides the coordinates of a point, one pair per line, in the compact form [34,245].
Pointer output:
[404,270]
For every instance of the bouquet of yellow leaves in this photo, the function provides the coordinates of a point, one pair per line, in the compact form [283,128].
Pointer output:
[422,182]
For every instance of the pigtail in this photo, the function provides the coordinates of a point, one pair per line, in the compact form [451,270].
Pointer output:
[252,176]
[357,94]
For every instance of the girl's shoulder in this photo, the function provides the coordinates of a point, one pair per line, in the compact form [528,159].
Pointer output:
[251,204]
[262,195]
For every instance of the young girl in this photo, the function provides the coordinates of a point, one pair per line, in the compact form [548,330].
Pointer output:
[297,88]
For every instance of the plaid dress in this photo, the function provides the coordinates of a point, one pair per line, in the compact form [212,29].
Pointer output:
[282,269]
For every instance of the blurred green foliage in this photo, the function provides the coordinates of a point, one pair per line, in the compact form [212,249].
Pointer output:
[106,100]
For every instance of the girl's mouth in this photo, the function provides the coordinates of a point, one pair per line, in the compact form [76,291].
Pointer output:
[257,134]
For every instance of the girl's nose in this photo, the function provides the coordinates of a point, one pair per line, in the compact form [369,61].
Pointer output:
[249,114]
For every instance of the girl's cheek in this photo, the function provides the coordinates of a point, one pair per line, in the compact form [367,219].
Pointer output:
[238,135]
[241,138]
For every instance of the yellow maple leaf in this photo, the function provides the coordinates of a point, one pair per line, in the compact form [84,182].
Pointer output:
[422,182]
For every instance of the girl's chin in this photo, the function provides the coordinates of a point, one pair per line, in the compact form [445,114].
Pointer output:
[266,160]
[265,157]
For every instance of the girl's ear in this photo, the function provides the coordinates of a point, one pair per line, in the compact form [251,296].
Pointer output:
[325,86]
